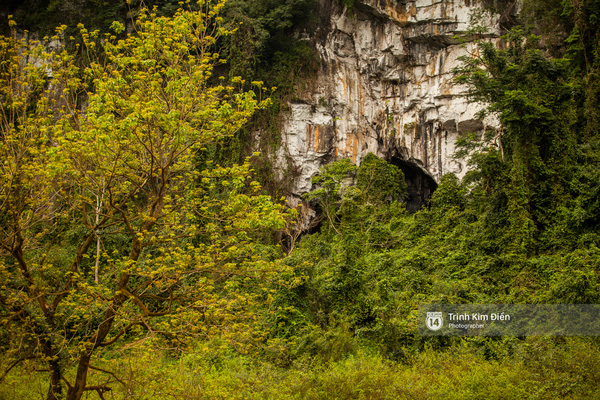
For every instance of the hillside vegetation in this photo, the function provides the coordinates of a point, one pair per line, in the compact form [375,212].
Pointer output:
[144,254]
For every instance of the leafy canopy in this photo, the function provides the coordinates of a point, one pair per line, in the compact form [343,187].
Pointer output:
[109,230]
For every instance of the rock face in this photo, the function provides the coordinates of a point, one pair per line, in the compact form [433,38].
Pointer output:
[385,86]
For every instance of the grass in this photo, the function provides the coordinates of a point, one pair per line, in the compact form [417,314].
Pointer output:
[538,368]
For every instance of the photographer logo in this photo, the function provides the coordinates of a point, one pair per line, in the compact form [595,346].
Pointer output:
[434,320]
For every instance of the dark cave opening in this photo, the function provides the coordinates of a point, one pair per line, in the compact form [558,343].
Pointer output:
[419,184]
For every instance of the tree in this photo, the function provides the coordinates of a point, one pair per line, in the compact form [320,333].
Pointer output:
[109,228]
[527,168]
[358,207]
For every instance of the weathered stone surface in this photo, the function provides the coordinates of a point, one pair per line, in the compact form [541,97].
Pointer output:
[386,86]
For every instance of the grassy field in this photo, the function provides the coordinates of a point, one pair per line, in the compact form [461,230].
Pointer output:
[538,368]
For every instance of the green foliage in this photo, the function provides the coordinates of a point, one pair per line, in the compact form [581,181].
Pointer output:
[539,368]
[533,161]
[42,16]
[331,188]
[200,277]
[352,287]
[522,227]
[261,36]
[109,230]
[262,47]
[349,4]
[449,194]
[379,180]
[353,208]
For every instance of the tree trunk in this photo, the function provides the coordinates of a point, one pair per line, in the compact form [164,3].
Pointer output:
[76,391]
[55,390]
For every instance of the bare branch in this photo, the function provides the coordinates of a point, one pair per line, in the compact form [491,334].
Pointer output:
[14,364]
[109,373]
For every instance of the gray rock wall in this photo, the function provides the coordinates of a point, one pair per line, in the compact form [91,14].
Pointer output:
[385,85]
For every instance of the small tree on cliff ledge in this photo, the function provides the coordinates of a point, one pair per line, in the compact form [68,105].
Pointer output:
[108,229]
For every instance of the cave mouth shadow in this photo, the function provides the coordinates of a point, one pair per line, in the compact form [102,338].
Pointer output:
[419,184]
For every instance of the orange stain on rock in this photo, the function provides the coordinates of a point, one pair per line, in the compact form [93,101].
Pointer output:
[398,11]
[352,147]
[344,84]
[312,134]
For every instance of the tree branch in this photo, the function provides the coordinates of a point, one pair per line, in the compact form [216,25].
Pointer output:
[109,373]
[14,364]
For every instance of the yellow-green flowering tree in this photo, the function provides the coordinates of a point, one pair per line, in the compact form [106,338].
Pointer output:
[110,227]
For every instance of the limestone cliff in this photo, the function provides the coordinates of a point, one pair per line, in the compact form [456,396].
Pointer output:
[385,85]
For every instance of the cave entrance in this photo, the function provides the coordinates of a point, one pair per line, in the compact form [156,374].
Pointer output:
[419,184]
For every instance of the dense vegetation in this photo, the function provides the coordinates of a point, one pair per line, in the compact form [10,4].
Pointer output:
[139,257]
